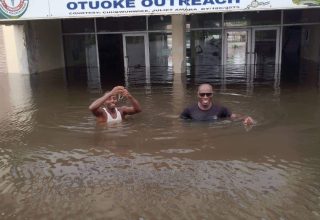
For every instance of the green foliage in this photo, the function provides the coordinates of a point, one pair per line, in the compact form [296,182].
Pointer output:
[299,2]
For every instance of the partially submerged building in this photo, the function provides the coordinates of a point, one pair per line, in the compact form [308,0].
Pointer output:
[138,39]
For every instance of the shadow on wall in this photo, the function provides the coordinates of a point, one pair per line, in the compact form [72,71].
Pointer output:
[291,56]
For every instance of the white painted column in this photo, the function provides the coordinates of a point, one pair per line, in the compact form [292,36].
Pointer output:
[16,50]
[179,43]
[179,61]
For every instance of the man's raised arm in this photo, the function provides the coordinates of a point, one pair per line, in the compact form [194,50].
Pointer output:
[94,107]
[135,108]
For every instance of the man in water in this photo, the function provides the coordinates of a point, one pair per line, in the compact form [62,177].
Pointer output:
[206,110]
[105,110]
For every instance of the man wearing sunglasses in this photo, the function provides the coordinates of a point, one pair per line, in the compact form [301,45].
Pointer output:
[205,110]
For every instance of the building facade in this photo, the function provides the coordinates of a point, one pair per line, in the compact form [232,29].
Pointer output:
[154,41]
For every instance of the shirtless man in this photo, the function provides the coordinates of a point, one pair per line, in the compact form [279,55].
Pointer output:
[206,110]
[105,110]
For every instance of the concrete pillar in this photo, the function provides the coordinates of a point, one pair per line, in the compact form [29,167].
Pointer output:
[178,60]
[15,47]
[179,43]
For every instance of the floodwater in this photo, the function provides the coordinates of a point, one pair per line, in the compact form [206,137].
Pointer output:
[57,163]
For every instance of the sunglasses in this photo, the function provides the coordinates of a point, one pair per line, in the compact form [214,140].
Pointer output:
[205,94]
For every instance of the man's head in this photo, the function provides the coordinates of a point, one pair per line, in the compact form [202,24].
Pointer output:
[111,102]
[205,93]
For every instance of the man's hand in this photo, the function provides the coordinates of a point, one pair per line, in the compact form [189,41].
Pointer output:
[126,93]
[135,108]
[248,121]
[117,90]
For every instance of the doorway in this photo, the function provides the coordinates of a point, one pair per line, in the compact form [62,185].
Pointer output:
[265,43]
[111,58]
[136,58]
[252,46]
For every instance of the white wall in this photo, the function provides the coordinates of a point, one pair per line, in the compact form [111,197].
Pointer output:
[15,49]
[33,46]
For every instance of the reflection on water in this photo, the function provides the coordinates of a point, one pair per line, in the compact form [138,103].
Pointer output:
[56,162]
[248,76]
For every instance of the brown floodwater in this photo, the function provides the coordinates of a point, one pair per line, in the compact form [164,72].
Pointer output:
[57,163]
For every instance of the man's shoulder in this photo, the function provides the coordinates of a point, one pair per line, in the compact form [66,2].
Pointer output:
[192,106]
[219,106]
[188,111]
[101,115]
[221,110]
[98,112]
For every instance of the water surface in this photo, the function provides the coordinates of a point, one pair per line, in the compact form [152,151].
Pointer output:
[57,163]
